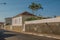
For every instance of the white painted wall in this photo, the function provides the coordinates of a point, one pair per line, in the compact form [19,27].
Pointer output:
[43,21]
[17,21]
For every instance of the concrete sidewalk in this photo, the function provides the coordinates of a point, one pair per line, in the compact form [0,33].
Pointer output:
[45,35]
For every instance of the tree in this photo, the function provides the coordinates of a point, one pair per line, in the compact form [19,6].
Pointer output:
[35,7]
[55,16]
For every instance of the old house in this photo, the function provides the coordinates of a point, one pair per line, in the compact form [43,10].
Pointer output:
[18,21]
[8,23]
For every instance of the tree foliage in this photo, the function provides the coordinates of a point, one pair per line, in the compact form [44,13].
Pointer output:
[35,7]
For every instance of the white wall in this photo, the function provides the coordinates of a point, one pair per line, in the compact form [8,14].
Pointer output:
[17,21]
[43,21]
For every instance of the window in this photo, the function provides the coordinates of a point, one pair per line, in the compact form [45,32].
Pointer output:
[15,21]
[19,20]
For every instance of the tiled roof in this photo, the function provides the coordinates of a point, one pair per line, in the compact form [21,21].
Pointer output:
[24,13]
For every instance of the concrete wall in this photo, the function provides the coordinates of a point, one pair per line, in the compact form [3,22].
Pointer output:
[13,28]
[43,21]
[49,26]
[7,27]
[17,28]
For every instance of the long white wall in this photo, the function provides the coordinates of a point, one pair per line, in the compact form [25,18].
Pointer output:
[43,21]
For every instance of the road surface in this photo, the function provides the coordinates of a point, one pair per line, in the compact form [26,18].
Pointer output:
[8,35]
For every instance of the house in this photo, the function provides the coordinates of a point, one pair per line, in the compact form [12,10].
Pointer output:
[8,23]
[18,21]
[1,25]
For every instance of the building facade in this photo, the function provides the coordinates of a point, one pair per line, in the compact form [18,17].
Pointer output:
[1,25]
[8,21]
[18,21]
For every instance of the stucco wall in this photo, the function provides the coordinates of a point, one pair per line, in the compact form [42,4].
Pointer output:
[17,28]
[8,21]
[7,27]
[49,26]
[17,21]
[43,21]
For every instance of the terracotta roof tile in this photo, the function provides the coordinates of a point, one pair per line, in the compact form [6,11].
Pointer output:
[24,13]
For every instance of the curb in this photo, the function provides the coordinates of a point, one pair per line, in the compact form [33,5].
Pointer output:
[45,35]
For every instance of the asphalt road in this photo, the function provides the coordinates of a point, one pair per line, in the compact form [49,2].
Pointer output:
[8,35]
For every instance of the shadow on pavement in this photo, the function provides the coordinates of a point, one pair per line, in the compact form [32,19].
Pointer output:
[2,39]
[5,35]
[21,36]
[9,35]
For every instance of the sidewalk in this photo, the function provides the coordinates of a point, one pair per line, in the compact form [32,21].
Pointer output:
[45,35]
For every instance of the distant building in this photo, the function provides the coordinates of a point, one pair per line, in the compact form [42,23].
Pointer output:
[8,21]
[1,25]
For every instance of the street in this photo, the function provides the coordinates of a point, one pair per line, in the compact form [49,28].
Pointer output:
[8,35]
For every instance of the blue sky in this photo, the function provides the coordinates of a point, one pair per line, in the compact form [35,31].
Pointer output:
[14,7]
